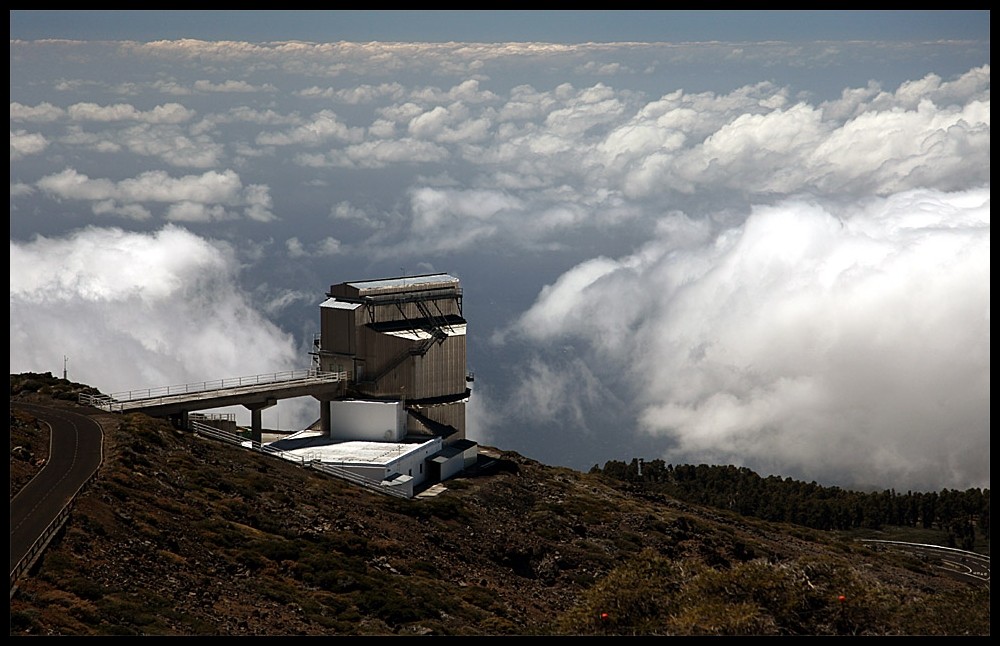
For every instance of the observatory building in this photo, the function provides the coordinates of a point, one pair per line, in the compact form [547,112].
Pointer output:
[398,419]
[399,340]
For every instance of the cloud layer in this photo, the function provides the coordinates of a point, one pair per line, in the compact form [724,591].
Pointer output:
[133,310]
[821,338]
[192,198]
[723,252]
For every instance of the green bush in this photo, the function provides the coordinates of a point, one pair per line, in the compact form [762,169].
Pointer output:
[425,567]
[85,588]
[633,599]
[277,549]
[653,595]
[22,622]
[393,608]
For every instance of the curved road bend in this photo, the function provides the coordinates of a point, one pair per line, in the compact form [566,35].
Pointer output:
[74,455]
[963,565]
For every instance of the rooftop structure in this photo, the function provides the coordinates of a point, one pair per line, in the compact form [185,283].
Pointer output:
[389,373]
[400,339]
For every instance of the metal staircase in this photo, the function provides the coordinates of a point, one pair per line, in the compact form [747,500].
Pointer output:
[431,323]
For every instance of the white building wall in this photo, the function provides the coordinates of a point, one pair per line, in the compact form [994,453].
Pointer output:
[452,467]
[370,421]
[376,473]
[402,484]
[414,464]
[471,456]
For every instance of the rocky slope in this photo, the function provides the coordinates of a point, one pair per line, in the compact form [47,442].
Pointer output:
[186,536]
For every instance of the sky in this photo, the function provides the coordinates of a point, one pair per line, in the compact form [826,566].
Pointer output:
[758,238]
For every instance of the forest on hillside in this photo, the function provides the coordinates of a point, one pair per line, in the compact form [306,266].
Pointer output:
[961,515]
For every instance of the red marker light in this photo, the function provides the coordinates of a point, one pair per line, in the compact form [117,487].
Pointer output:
[842,598]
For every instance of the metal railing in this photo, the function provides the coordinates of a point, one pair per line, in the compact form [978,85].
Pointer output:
[115,402]
[218,417]
[38,547]
[226,384]
[344,474]
[198,428]
[223,436]
[43,540]
[309,463]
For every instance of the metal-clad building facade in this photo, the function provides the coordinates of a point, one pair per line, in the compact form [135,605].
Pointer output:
[401,339]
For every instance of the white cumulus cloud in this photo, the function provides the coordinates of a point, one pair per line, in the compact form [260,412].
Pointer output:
[23,143]
[134,310]
[189,198]
[167,113]
[816,338]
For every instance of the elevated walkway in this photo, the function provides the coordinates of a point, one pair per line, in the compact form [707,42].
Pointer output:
[254,392]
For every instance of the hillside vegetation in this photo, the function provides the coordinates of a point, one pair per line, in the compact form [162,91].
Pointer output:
[951,518]
[180,535]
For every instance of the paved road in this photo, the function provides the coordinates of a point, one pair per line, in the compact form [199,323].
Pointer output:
[74,455]
[965,566]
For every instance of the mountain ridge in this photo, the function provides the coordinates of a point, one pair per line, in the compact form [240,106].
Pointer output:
[180,535]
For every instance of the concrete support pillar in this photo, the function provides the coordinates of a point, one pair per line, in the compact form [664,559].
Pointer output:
[324,416]
[256,430]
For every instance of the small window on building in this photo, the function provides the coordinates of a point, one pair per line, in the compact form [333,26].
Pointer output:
[421,467]
[409,472]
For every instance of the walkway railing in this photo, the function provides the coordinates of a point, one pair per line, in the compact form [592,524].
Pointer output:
[329,469]
[42,542]
[115,402]
[209,431]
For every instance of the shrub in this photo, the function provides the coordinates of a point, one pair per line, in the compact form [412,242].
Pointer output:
[85,588]
[277,549]
[23,622]
[393,608]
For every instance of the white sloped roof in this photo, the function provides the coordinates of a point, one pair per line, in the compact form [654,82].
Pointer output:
[315,445]
[339,305]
